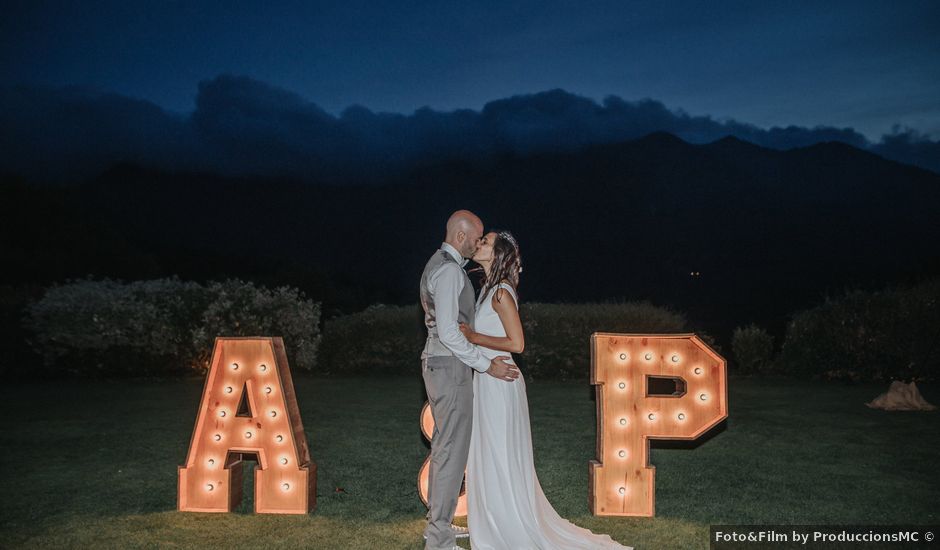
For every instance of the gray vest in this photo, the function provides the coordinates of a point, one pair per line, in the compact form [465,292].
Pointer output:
[465,304]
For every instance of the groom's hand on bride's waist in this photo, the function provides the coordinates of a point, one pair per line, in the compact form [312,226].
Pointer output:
[499,368]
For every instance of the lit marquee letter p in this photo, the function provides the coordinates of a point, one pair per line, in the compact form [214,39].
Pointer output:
[648,387]
[248,409]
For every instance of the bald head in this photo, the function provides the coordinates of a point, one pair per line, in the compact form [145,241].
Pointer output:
[464,230]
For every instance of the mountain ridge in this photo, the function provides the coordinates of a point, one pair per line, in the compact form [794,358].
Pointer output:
[769,231]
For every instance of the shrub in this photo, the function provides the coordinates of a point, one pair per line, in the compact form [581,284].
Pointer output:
[109,326]
[239,308]
[867,336]
[753,349]
[162,326]
[558,336]
[381,339]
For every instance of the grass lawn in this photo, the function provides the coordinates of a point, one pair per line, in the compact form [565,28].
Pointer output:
[94,465]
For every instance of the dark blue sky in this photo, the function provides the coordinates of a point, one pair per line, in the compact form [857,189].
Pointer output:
[860,64]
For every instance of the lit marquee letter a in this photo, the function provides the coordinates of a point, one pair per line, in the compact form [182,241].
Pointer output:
[648,387]
[248,411]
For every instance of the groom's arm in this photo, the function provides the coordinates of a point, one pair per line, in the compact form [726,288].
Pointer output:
[447,283]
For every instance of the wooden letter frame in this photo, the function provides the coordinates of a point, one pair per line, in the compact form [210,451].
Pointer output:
[253,373]
[622,481]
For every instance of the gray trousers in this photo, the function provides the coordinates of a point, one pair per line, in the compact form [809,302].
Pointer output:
[449,386]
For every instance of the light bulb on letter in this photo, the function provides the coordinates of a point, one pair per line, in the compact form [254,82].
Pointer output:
[285,486]
[623,356]
[267,389]
[234,366]
[622,385]
[263,367]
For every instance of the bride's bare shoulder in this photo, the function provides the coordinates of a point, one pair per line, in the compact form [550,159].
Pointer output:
[503,296]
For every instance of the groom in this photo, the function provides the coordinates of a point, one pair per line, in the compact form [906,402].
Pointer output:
[448,299]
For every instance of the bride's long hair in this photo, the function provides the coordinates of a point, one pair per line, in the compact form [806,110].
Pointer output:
[507,263]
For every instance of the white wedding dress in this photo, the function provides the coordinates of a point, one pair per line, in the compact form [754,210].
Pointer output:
[506,508]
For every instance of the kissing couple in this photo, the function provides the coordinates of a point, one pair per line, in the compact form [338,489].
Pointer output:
[481,420]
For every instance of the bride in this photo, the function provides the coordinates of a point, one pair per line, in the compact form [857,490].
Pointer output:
[506,508]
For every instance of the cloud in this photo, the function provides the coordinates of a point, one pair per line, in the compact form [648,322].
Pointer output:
[242,126]
[251,127]
[70,133]
[910,147]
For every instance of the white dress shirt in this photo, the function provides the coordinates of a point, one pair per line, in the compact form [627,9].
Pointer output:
[446,284]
